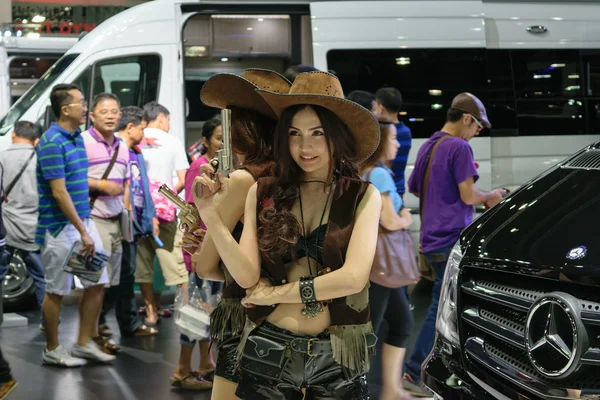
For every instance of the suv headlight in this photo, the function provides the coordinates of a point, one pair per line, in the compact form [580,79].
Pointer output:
[447,316]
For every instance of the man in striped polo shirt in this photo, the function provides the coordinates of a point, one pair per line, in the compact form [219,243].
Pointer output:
[64,217]
[107,195]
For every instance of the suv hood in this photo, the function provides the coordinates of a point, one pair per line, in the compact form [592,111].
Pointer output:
[550,227]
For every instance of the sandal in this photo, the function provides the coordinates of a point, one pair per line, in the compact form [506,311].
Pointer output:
[208,375]
[151,324]
[144,330]
[165,313]
[191,382]
[107,345]
[104,330]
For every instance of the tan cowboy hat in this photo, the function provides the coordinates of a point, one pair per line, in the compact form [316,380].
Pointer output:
[323,89]
[224,90]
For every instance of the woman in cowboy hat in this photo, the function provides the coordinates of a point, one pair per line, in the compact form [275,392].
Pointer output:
[253,124]
[310,233]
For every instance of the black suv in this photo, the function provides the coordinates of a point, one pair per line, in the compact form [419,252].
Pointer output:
[519,314]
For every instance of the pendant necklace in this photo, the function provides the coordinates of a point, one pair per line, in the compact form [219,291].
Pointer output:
[311,309]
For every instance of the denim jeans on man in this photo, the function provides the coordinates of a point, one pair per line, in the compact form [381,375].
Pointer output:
[33,263]
[437,259]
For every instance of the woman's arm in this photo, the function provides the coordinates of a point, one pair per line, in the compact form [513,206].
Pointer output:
[389,219]
[231,209]
[348,280]
[241,259]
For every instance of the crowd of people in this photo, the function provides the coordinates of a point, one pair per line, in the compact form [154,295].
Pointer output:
[288,239]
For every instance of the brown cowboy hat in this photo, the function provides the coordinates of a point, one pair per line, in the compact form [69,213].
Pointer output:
[224,90]
[323,89]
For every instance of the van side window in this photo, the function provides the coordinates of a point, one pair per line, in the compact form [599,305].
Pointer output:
[548,92]
[133,79]
[428,79]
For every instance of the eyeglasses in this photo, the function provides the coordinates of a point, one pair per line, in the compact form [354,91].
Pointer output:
[477,122]
[81,103]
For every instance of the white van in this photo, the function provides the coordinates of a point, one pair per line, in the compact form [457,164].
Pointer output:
[26,59]
[536,66]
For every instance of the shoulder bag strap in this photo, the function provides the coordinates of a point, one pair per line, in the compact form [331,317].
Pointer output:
[426,178]
[107,172]
[12,184]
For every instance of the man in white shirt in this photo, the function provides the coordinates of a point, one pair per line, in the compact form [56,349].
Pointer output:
[165,156]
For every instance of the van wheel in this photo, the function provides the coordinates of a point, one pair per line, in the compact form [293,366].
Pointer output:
[18,287]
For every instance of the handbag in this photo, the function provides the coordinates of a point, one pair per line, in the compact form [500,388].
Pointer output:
[395,263]
[425,267]
[127,225]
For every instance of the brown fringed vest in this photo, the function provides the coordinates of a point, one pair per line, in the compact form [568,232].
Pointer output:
[228,317]
[350,319]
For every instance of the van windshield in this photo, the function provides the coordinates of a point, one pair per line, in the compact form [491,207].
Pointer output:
[23,104]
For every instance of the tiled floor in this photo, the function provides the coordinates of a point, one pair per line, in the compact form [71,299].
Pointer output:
[141,371]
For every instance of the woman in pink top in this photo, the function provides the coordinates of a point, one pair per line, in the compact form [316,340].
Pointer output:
[212,140]
[185,377]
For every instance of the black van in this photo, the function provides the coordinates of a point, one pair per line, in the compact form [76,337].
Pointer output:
[519,314]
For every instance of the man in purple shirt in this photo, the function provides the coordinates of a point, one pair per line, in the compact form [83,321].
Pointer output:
[447,207]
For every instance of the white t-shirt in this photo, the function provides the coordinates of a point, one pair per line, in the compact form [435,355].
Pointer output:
[164,155]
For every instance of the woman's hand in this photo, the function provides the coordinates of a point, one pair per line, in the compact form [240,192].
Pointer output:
[406,216]
[193,239]
[204,190]
[259,295]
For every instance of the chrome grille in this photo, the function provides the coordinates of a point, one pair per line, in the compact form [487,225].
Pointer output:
[493,310]
[587,160]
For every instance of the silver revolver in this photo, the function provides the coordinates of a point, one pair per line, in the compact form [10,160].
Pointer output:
[188,215]
[223,161]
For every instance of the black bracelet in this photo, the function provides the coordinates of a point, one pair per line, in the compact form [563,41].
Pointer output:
[307,289]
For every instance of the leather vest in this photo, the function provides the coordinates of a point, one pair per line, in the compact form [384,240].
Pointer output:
[350,319]
[228,317]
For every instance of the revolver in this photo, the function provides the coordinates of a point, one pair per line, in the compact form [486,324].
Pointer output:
[188,213]
[223,161]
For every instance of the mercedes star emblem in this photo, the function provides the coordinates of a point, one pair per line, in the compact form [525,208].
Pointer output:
[555,335]
[577,253]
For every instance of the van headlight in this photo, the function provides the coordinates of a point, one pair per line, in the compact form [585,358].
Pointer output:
[447,316]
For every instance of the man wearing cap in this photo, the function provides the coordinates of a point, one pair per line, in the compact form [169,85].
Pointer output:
[447,193]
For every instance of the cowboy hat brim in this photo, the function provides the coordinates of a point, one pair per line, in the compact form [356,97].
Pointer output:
[224,90]
[359,121]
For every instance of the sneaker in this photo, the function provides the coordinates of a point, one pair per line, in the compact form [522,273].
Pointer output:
[59,356]
[91,351]
[415,388]
[7,388]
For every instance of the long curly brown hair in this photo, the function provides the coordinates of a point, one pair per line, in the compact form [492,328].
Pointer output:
[252,135]
[278,227]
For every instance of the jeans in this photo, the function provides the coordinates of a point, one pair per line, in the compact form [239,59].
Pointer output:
[33,263]
[437,259]
[5,375]
[122,297]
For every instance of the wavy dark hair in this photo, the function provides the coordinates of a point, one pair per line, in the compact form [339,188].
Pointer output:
[279,228]
[384,131]
[208,130]
[252,135]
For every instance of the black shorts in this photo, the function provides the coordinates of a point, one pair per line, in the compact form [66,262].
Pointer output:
[277,366]
[227,366]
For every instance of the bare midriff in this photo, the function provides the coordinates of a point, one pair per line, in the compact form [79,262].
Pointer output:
[289,316]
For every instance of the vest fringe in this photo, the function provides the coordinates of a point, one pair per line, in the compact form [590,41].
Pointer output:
[227,318]
[349,346]
[248,328]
